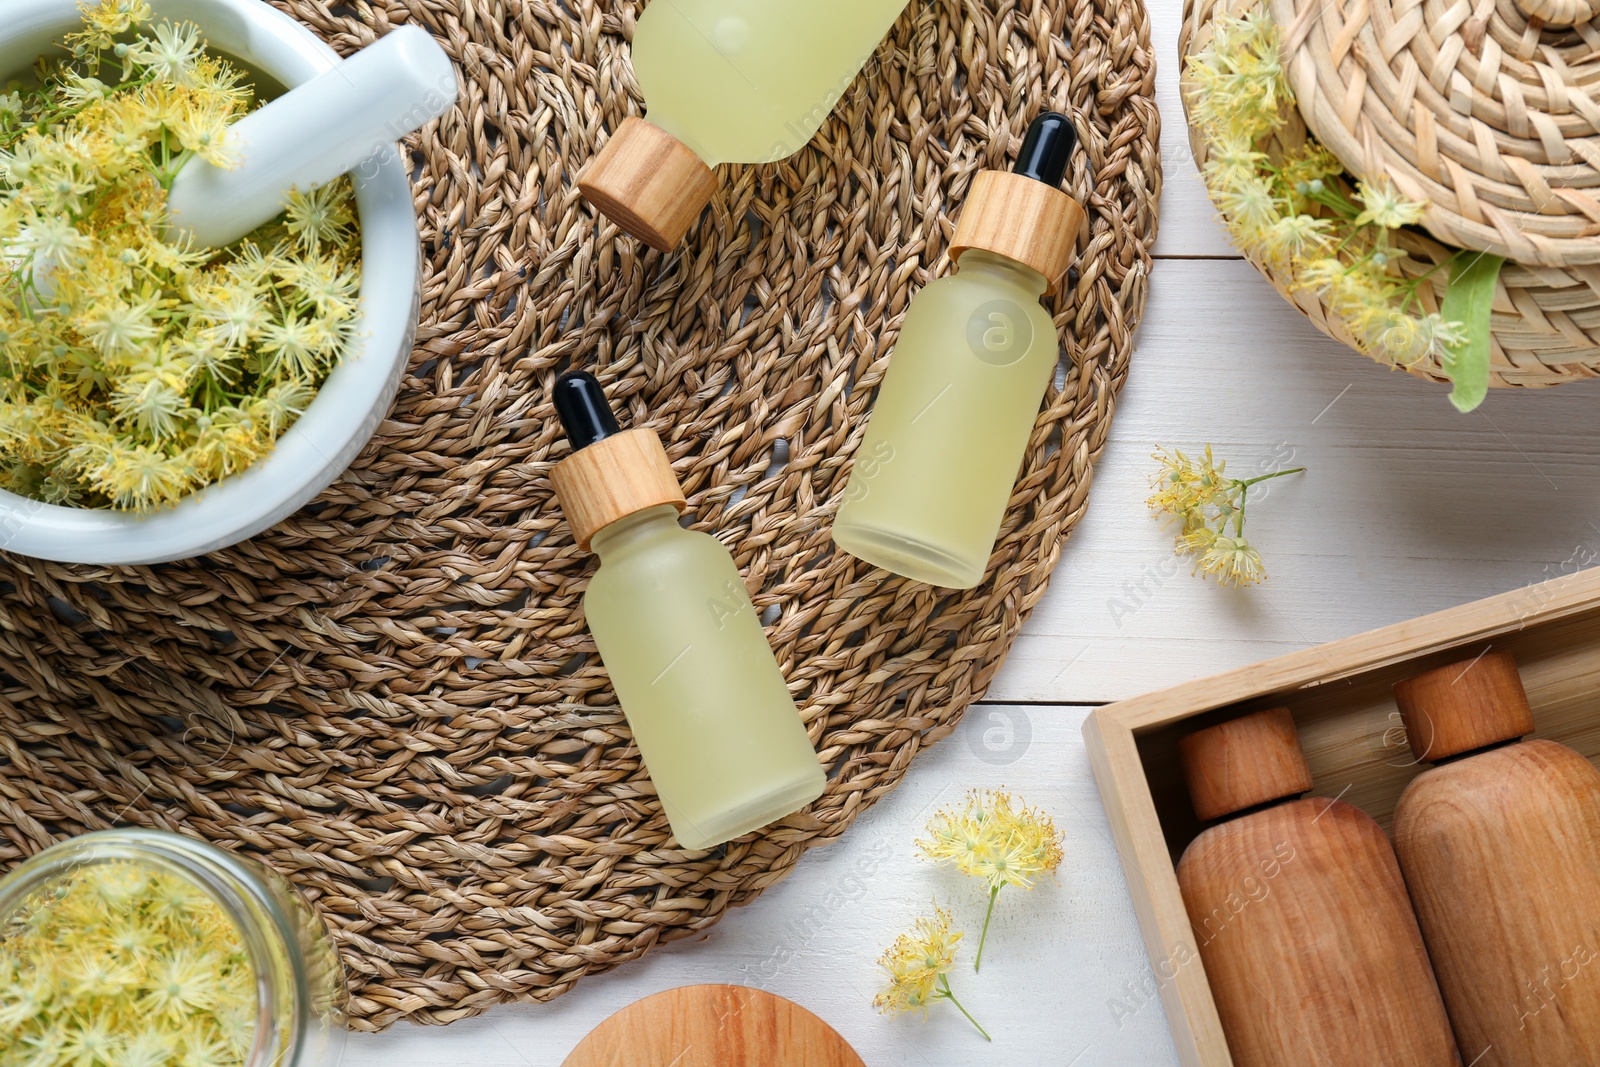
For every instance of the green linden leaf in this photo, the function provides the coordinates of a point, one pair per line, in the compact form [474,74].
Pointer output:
[1467,300]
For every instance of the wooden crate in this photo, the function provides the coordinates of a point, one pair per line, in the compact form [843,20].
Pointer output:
[1353,739]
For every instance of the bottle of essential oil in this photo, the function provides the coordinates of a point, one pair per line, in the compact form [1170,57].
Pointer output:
[1310,946]
[1500,844]
[715,724]
[952,419]
[725,81]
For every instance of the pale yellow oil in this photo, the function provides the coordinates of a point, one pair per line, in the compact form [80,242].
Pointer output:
[715,724]
[950,424]
[751,81]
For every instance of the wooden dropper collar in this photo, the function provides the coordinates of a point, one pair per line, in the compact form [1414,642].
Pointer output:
[648,182]
[612,473]
[1244,762]
[1023,215]
[1464,707]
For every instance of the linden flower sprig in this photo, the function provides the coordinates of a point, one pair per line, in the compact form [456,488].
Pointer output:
[135,369]
[1204,502]
[123,966]
[993,838]
[919,964]
[1289,211]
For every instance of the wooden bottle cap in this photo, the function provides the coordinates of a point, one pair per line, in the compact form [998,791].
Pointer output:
[1464,706]
[649,183]
[1244,762]
[614,478]
[1022,219]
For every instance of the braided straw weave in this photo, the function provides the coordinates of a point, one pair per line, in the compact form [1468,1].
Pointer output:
[392,697]
[1478,109]
[1545,325]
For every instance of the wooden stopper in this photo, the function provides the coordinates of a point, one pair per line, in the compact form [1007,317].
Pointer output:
[649,183]
[1242,763]
[614,478]
[1465,706]
[1022,219]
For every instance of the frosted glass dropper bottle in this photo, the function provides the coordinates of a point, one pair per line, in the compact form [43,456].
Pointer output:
[725,81]
[952,418]
[715,724]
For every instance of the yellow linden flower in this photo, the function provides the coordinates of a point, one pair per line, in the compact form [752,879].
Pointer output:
[205,133]
[171,53]
[26,998]
[993,838]
[153,1048]
[282,404]
[219,84]
[1185,484]
[1233,561]
[54,240]
[1294,237]
[1203,502]
[115,16]
[1249,206]
[152,401]
[1386,207]
[180,984]
[121,328]
[323,281]
[918,965]
[88,1041]
[142,478]
[103,23]
[321,216]
[93,972]
[296,346]
[228,442]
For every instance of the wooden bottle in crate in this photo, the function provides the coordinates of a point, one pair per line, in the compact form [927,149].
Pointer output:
[1300,913]
[1500,845]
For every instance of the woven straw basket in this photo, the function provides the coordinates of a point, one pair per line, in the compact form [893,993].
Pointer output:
[1480,113]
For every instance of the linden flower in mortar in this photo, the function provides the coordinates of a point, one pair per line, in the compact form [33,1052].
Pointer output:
[121,965]
[135,370]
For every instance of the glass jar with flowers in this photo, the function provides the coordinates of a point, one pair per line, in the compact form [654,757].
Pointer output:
[134,948]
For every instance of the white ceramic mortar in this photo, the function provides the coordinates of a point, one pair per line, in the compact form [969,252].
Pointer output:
[313,452]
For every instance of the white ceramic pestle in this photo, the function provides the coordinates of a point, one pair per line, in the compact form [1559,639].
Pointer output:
[345,119]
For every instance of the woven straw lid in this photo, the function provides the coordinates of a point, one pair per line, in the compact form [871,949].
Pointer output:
[1484,110]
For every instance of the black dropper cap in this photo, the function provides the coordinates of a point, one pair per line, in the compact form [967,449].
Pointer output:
[584,412]
[1047,149]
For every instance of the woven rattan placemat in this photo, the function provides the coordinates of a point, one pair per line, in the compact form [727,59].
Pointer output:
[392,697]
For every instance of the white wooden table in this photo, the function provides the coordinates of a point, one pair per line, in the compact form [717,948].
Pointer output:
[1407,508]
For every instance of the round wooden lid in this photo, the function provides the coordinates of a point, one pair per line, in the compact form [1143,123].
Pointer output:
[1022,219]
[614,478]
[649,183]
[1244,762]
[713,1026]
[1464,706]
